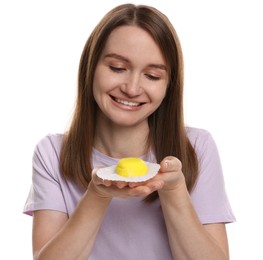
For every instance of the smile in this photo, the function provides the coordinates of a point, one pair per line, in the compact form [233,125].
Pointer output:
[127,103]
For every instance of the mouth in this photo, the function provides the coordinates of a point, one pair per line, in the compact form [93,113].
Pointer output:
[127,103]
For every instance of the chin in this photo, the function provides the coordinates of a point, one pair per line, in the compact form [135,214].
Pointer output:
[129,123]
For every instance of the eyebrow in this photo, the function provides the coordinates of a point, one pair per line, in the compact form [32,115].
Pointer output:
[122,58]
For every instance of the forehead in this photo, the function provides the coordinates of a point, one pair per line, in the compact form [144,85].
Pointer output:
[133,42]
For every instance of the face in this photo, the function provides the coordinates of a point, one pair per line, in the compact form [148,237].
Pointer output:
[131,77]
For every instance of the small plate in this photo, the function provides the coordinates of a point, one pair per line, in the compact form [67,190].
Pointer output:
[108,173]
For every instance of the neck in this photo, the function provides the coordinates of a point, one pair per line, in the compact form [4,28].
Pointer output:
[120,141]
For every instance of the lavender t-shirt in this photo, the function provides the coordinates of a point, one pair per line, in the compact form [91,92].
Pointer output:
[131,229]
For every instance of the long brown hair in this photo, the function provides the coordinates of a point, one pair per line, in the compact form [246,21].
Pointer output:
[167,130]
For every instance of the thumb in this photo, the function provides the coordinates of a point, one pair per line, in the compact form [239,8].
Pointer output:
[170,163]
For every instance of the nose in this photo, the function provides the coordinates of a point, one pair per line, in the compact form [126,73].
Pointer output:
[132,86]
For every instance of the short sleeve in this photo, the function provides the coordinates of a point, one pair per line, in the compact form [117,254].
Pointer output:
[209,195]
[45,191]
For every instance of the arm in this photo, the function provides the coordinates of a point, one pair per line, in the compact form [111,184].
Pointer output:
[57,237]
[188,238]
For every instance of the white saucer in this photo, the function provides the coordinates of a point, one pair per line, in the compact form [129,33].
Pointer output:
[108,173]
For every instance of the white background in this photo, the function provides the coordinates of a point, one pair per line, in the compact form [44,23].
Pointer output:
[41,42]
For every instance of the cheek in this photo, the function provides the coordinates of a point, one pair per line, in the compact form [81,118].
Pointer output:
[99,84]
[160,97]
[159,93]
[103,80]
[98,88]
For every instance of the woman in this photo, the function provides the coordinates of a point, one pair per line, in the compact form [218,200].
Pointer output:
[129,104]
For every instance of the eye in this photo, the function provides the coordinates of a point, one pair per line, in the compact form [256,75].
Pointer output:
[152,77]
[117,69]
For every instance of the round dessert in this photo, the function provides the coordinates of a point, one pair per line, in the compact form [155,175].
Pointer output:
[131,167]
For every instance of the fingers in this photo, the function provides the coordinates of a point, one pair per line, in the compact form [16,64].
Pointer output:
[171,173]
[170,164]
[123,189]
[142,191]
[169,176]
[120,184]
[99,181]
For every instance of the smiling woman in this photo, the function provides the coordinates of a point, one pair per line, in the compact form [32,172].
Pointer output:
[129,104]
[129,77]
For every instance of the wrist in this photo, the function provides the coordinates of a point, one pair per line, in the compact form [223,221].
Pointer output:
[95,193]
[174,184]
[179,195]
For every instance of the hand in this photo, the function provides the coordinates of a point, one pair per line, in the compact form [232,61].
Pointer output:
[121,189]
[169,177]
[170,174]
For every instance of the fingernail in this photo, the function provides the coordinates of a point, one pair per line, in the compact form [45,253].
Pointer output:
[166,163]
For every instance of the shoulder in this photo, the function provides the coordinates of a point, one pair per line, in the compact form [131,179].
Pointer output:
[47,151]
[202,141]
[198,136]
[208,195]
[194,133]
[51,142]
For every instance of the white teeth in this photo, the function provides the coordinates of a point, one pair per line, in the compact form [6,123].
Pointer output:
[127,103]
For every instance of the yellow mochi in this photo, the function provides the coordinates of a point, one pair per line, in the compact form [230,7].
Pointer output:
[131,167]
